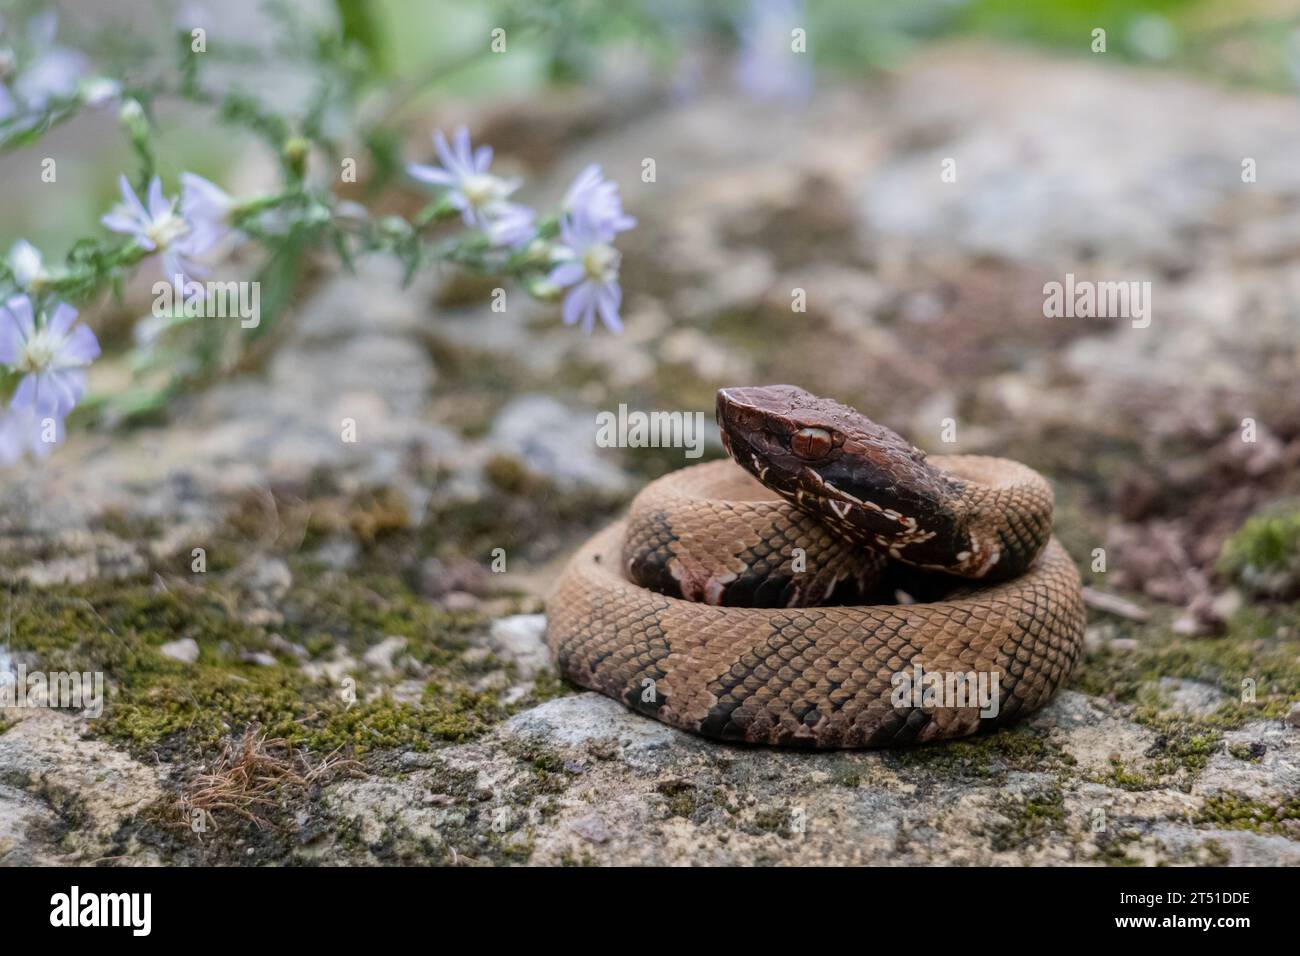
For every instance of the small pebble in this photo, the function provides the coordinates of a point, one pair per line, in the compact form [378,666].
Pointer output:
[185,650]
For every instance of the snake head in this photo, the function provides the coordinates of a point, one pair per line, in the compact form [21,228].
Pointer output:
[861,479]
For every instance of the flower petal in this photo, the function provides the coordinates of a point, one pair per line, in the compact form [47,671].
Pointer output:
[158,203]
[434,175]
[461,147]
[25,394]
[18,321]
[11,340]
[577,304]
[566,274]
[68,385]
[445,155]
[608,300]
[125,223]
[132,202]
[80,348]
[62,319]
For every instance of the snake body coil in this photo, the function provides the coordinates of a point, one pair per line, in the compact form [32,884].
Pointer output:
[754,610]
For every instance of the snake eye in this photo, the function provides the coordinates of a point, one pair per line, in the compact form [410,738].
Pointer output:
[811,443]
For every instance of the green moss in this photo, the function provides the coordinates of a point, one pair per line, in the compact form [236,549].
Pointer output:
[1030,820]
[118,626]
[161,706]
[201,709]
[1237,812]
[987,755]
[360,609]
[1264,553]
[518,851]
[1182,748]
[1180,744]
[846,776]
[1259,653]
[680,796]
[450,715]
[1262,645]
[1113,850]
[1251,753]
[548,686]
[1122,776]
[773,820]
[547,761]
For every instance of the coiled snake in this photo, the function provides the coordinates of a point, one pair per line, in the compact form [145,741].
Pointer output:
[767,610]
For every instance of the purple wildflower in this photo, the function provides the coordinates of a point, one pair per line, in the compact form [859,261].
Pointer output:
[596,199]
[207,208]
[481,197]
[52,72]
[511,225]
[159,227]
[51,356]
[588,268]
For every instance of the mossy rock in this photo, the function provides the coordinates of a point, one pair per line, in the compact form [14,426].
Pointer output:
[1264,553]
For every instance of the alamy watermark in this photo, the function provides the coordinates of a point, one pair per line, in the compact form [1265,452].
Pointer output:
[209,300]
[133,911]
[1084,299]
[637,429]
[64,690]
[948,689]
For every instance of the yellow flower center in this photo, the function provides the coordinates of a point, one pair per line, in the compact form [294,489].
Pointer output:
[600,263]
[38,353]
[166,229]
[480,189]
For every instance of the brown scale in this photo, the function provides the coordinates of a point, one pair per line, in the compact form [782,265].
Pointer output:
[811,677]
[711,533]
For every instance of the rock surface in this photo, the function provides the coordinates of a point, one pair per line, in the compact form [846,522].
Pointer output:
[582,780]
[65,799]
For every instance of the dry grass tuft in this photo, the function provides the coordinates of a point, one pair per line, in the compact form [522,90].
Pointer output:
[251,775]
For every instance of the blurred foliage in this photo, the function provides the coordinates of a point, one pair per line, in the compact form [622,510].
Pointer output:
[1264,553]
[1254,42]
[390,61]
